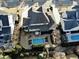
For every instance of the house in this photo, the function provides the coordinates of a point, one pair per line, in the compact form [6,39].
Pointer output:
[70,26]
[63,2]
[37,21]
[10,3]
[38,26]
[6,29]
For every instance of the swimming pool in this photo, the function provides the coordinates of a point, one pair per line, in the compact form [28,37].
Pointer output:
[75,37]
[38,41]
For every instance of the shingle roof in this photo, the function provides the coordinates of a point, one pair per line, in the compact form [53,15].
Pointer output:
[40,9]
[37,21]
[11,3]
[71,21]
[63,2]
[70,24]
[4,19]
[71,14]
[75,7]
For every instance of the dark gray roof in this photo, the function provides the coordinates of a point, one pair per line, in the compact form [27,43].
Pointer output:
[63,2]
[40,9]
[71,14]
[11,3]
[6,30]
[75,7]
[71,21]
[37,18]
[70,24]
[4,19]
[41,28]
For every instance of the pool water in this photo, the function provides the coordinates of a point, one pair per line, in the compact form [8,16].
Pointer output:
[75,37]
[38,41]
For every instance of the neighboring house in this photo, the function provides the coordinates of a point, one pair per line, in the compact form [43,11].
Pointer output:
[63,2]
[6,30]
[10,3]
[70,25]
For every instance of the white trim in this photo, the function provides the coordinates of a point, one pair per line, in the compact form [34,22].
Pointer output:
[11,23]
[1,25]
[38,24]
[55,14]
[32,30]
[45,15]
